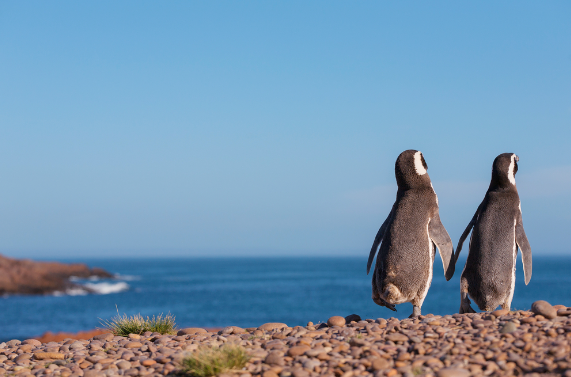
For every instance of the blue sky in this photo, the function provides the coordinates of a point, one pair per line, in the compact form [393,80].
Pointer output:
[271,128]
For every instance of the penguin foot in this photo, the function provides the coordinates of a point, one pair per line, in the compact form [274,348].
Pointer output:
[381,302]
[390,306]
[466,308]
[415,312]
[465,304]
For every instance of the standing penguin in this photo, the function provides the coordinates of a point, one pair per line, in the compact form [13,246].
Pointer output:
[407,239]
[489,273]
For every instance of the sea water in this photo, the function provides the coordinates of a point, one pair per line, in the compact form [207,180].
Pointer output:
[247,292]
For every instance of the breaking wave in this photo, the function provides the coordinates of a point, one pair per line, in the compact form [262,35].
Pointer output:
[107,288]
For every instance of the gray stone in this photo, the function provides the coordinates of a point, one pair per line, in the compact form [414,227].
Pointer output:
[544,308]
[508,328]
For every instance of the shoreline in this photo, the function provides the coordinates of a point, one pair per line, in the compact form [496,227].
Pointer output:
[500,343]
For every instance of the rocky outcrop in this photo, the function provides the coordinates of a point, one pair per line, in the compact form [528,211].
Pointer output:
[24,276]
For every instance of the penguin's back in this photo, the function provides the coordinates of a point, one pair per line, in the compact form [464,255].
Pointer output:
[406,255]
[492,251]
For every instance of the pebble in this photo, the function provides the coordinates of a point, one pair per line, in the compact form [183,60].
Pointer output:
[508,328]
[516,343]
[500,312]
[275,358]
[191,331]
[298,350]
[272,326]
[380,364]
[104,337]
[453,372]
[544,308]
[133,345]
[564,312]
[123,364]
[336,321]
[352,317]
[49,355]
[397,337]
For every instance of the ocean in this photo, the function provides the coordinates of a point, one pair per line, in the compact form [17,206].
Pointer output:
[247,292]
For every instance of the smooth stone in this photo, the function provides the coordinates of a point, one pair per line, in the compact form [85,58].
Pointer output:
[134,336]
[228,330]
[22,357]
[528,320]
[191,331]
[356,342]
[508,328]
[544,308]
[298,372]
[133,345]
[453,372]
[123,364]
[352,317]
[104,337]
[336,320]
[106,360]
[298,350]
[272,326]
[275,358]
[380,364]
[564,312]
[268,373]
[500,312]
[310,364]
[26,347]
[33,342]
[93,373]
[48,355]
[148,362]
[396,337]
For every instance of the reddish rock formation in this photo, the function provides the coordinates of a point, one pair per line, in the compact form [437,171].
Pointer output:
[58,337]
[24,276]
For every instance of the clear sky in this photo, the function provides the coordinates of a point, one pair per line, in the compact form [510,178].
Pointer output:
[190,128]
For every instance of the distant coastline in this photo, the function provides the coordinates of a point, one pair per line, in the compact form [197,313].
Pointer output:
[28,277]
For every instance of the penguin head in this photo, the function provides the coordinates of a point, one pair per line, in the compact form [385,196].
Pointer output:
[504,170]
[410,170]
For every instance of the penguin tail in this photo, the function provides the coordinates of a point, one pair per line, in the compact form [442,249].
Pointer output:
[392,294]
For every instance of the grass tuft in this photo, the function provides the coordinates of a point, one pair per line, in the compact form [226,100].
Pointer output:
[211,361]
[137,324]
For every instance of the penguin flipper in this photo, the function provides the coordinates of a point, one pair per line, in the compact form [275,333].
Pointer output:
[378,239]
[523,243]
[440,237]
[466,232]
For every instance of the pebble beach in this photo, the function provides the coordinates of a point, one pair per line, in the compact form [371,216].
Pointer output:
[501,343]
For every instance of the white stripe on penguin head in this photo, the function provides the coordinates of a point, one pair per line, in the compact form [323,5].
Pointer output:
[420,170]
[511,170]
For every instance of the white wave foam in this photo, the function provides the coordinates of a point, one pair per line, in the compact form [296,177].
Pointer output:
[107,288]
[76,291]
[126,277]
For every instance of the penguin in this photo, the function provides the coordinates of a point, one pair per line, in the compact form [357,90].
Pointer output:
[489,274]
[408,238]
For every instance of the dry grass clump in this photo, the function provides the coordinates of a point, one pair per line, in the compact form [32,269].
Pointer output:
[137,324]
[211,361]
